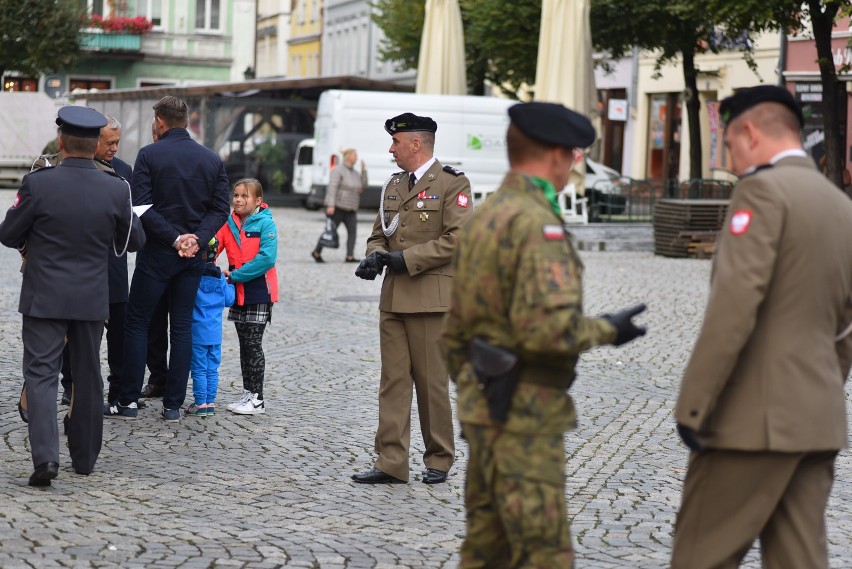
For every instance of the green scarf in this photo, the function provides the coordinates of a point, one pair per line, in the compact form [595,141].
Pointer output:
[549,194]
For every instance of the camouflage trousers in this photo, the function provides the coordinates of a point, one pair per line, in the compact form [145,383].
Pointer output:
[515,502]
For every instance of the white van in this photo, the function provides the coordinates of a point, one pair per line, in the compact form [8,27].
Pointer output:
[303,168]
[471,136]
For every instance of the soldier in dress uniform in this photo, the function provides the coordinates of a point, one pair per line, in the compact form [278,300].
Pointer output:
[72,218]
[512,338]
[422,211]
[762,403]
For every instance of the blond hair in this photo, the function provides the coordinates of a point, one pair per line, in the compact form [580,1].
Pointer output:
[251,184]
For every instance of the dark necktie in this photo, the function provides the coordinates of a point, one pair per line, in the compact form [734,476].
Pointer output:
[412,179]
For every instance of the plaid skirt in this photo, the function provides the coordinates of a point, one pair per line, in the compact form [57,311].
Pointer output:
[251,313]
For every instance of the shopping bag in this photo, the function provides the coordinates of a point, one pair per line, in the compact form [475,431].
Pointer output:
[329,237]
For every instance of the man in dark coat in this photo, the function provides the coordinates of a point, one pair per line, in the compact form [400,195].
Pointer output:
[187,188]
[72,218]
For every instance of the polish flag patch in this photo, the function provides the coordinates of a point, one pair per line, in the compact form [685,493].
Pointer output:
[740,221]
[462,200]
[16,202]
[553,232]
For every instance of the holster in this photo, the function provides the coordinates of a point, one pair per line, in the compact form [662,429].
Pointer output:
[498,371]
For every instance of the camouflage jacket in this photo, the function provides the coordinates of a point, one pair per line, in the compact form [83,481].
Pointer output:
[518,285]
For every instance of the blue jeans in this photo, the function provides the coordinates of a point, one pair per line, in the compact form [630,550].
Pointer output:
[205,373]
[160,271]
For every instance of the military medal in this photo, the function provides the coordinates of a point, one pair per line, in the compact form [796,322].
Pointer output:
[420,204]
[420,198]
[424,216]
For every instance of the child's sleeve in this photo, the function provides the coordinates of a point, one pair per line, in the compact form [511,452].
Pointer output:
[265,259]
[230,293]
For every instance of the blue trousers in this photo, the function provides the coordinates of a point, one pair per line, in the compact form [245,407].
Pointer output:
[205,372]
[159,271]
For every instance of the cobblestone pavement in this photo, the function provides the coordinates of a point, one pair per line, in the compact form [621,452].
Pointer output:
[274,490]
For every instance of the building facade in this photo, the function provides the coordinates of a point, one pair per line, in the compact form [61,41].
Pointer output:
[304,45]
[273,33]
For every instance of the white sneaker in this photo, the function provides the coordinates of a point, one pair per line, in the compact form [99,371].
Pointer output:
[246,396]
[252,406]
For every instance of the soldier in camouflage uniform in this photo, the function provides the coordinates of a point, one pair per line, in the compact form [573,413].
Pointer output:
[518,287]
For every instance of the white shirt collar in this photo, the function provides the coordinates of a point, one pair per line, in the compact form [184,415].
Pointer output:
[787,153]
[420,172]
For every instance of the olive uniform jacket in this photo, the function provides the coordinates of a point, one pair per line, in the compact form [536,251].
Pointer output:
[430,218]
[768,370]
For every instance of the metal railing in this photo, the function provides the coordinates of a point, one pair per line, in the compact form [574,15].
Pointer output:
[632,200]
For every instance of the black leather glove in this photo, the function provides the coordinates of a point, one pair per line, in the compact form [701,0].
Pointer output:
[689,438]
[627,330]
[395,261]
[371,266]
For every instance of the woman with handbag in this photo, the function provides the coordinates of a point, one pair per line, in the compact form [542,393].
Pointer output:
[341,204]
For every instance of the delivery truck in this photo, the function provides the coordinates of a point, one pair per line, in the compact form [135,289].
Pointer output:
[471,137]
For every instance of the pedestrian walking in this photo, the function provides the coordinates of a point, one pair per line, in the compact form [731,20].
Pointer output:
[762,404]
[342,199]
[72,218]
[513,336]
[250,240]
[421,214]
[214,294]
[187,188]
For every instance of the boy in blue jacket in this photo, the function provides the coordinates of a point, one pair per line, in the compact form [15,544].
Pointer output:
[214,294]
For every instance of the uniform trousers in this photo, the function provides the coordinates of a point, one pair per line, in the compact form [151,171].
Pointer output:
[412,361]
[515,501]
[44,339]
[731,498]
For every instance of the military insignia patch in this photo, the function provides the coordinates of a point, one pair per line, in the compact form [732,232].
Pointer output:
[16,202]
[553,232]
[453,171]
[740,221]
[462,200]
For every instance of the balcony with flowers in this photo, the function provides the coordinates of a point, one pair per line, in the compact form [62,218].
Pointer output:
[113,34]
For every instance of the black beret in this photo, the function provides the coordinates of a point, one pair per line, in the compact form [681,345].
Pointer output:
[409,122]
[84,122]
[553,123]
[744,99]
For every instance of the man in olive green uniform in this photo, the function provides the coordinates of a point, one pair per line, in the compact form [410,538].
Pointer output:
[762,402]
[422,211]
[518,291]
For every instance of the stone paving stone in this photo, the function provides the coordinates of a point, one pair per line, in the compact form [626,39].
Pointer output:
[274,490]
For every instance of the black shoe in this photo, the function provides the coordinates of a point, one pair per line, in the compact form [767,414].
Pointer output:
[352,260]
[375,476]
[81,472]
[434,476]
[152,391]
[66,397]
[317,257]
[25,415]
[43,474]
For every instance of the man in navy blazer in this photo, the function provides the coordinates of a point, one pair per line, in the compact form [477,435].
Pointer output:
[72,218]
[187,188]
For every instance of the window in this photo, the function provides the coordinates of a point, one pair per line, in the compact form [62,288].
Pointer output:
[207,15]
[151,9]
[27,84]
[94,6]
[86,84]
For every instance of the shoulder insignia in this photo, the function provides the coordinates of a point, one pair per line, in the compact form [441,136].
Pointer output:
[453,171]
[740,221]
[553,232]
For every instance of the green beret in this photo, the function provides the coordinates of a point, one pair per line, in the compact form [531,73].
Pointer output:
[744,99]
[409,122]
[553,123]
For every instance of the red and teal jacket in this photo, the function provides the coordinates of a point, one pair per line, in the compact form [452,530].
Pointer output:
[252,249]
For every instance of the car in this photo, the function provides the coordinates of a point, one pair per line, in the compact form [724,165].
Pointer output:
[603,191]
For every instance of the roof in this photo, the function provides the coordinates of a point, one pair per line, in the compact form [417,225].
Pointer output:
[308,87]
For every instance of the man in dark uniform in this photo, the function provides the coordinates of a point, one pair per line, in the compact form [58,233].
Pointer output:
[423,209]
[513,335]
[187,188]
[762,403]
[72,217]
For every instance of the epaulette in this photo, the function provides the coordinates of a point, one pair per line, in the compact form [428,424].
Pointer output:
[398,173]
[453,171]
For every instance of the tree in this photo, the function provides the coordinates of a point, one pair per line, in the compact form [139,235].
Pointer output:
[39,36]
[501,39]
[673,28]
[790,17]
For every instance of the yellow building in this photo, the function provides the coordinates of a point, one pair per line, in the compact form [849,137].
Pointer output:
[661,137]
[304,48]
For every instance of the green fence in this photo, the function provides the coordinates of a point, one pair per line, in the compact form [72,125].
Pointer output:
[632,200]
